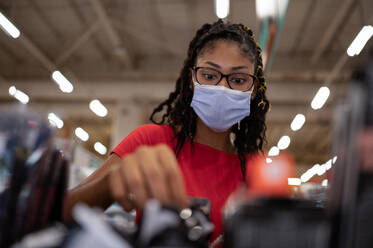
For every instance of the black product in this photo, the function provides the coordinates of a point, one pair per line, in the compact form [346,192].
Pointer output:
[351,198]
[280,223]
[33,177]
[172,227]
[160,226]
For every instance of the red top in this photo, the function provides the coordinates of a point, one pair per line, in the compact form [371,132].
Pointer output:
[207,172]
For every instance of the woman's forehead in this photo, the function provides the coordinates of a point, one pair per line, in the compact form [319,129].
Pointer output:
[226,54]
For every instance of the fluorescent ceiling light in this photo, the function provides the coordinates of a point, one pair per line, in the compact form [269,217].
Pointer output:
[328,164]
[284,142]
[270,8]
[294,181]
[297,122]
[268,160]
[8,27]
[63,83]
[320,98]
[19,95]
[324,182]
[222,8]
[100,148]
[314,169]
[360,40]
[309,173]
[274,151]
[306,176]
[98,108]
[334,159]
[81,134]
[321,169]
[55,120]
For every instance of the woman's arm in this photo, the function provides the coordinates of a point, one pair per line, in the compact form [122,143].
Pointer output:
[95,189]
[149,172]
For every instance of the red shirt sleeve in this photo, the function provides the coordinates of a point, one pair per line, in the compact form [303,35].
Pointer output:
[148,134]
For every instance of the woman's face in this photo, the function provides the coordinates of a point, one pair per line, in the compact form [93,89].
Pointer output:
[226,57]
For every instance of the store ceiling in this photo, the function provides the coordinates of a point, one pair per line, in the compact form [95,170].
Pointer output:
[110,49]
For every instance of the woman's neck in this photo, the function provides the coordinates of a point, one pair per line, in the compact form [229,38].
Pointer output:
[218,140]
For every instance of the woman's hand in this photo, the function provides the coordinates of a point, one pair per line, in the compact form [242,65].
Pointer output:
[149,172]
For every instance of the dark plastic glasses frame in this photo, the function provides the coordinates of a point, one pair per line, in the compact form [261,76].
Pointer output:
[222,75]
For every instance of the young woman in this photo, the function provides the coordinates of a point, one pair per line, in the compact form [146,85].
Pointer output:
[209,126]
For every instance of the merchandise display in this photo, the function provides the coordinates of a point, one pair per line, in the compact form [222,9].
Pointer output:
[33,176]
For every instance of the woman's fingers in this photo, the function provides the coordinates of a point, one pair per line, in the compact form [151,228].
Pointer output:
[173,177]
[154,174]
[150,172]
[135,179]
[119,189]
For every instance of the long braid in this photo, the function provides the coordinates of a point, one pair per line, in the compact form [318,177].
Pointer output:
[250,136]
[259,107]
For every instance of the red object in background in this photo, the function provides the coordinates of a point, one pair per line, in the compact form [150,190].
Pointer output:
[270,177]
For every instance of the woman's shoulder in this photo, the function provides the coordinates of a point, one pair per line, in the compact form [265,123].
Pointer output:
[148,134]
[152,129]
[153,133]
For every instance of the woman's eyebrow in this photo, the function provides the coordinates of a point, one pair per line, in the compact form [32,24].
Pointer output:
[233,68]
[212,64]
[239,67]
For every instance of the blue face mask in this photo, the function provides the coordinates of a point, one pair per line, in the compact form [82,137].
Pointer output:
[219,107]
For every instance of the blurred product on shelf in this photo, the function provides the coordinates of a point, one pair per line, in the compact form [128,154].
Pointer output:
[315,192]
[159,227]
[269,222]
[351,192]
[33,176]
[263,213]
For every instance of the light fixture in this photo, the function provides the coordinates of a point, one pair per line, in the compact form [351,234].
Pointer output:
[324,182]
[334,159]
[321,169]
[63,82]
[100,148]
[360,40]
[274,151]
[328,164]
[320,98]
[268,160]
[270,8]
[222,8]
[55,120]
[284,142]
[309,173]
[81,134]
[314,169]
[98,108]
[297,122]
[8,27]
[294,181]
[306,176]
[19,95]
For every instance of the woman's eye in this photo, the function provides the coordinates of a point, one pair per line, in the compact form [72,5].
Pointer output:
[209,76]
[238,80]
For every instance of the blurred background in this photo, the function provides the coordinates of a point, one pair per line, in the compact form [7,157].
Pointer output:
[97,68]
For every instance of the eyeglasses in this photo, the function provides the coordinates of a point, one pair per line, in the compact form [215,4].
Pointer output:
[236,81]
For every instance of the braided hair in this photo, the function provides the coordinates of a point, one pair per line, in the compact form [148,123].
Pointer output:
[250,132]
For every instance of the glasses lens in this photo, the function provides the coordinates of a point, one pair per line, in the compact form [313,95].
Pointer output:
[207,76]
[241,81]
